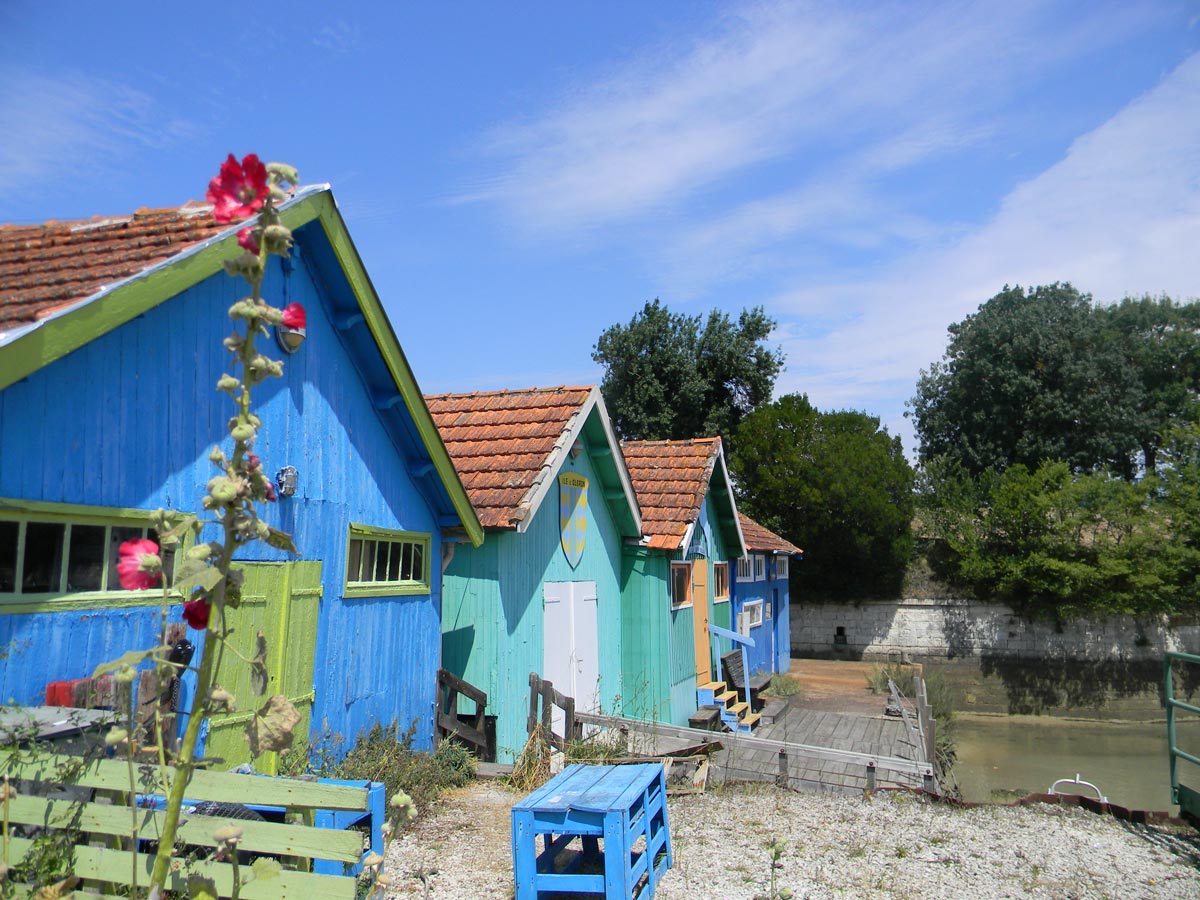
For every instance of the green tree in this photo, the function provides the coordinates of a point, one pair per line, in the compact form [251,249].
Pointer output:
[1032,375]
[1160,339]
[667,377]
[834,483]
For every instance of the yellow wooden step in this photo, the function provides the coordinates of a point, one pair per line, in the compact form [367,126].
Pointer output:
[715,686]
[739,708]
[751,719]
[723,698]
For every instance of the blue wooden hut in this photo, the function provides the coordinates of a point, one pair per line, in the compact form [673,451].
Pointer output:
[545,474]
[676,582]
[761,603]
[110,348]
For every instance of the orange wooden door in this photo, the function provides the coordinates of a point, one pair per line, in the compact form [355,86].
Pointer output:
[700,619]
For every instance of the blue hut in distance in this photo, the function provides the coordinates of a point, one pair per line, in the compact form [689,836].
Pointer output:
[760,597]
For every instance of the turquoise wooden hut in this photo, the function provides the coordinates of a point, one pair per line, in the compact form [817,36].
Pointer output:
[545,474]
[761,602]
[110,349]
[677,580]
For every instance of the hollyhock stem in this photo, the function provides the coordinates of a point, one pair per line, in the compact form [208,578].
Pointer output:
[214,637]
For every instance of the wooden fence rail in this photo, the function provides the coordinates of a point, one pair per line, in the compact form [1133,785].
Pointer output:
[473,733]
[92,797]
[543,692]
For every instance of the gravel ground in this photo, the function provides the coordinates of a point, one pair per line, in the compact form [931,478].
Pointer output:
[889,846]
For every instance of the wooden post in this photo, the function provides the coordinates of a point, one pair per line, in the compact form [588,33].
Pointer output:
[782,778]
[870,776]
[534,688]
[569,720]
[547,708]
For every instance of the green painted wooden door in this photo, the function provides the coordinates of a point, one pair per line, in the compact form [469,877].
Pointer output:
[280,601]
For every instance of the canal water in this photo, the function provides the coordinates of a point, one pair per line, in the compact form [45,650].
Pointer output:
[998,755]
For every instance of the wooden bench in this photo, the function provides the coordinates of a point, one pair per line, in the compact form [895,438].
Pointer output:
[735,677]
[92,797]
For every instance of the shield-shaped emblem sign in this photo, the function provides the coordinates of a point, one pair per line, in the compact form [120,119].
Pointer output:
[572,515]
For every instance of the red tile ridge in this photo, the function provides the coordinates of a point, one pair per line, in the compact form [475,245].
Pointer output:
[501,392]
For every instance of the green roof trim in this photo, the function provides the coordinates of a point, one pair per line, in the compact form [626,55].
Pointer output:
[53,338]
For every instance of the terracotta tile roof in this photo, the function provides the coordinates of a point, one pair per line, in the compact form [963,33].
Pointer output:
[671,479]
[759,538]
[45,268]
[500,442]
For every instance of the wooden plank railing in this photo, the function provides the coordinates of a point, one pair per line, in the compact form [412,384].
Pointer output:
[92,797]
[473,733]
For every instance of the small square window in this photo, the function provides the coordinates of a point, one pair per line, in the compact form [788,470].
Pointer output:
[781,567]
[721,581]
[760,567]
[381,562]
[681,584]
[745,570]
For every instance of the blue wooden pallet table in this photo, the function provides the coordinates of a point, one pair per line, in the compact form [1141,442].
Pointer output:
[625,806]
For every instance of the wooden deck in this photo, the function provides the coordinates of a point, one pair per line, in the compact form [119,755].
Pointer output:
[875,736]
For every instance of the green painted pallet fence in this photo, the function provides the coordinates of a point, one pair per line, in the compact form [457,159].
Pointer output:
[108,822]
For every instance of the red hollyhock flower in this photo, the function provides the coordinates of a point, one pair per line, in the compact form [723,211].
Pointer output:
[239,190]
[294,316]
[195,613]
[129,569]
[247,241]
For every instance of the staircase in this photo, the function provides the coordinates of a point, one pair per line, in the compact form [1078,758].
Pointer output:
[735,714]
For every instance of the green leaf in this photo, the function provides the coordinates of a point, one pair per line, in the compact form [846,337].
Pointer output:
[281,540]
[265,869]
[272,726]
[201,888]
[130,658]
[207,578]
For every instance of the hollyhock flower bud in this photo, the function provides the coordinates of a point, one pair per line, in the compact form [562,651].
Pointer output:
[278,239]
[234,343]
[196,612]
[115,737]
[247,266]
[283,172]
[244,309]
[228,383]
[139,567]
[125,675]
[222,699]
[270,492]
[203,551]
[222,489]
[294,316]
[272,316]
[252,462]
[242,432]
[248,240]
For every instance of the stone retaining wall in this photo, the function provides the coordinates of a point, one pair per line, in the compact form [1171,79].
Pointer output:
[949,629]
[997,662]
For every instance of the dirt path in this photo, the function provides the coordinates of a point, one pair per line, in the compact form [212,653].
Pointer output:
[834,685]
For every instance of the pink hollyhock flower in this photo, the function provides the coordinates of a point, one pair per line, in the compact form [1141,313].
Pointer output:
[139,567]
[294,316]
[270,492]
[195,613]
[247,240]
[239,190]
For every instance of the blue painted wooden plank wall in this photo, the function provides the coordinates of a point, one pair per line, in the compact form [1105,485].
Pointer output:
[128,420]
[493,614]
[773,633]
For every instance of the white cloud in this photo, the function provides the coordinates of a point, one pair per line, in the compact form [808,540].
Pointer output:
[1118,215]
[70,126]
[780,81]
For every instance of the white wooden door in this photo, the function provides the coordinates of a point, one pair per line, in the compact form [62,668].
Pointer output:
[570,643]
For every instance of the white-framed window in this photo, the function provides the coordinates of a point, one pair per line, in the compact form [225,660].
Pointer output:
[61,552]
[753,611]
[760,567]
[382,562]
[681,585]
[781,567]
[720,581]
[745,569]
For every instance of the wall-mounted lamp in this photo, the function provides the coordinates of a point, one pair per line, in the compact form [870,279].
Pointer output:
[286,480]
[290,333]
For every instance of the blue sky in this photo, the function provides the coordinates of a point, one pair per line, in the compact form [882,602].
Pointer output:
[518,177]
